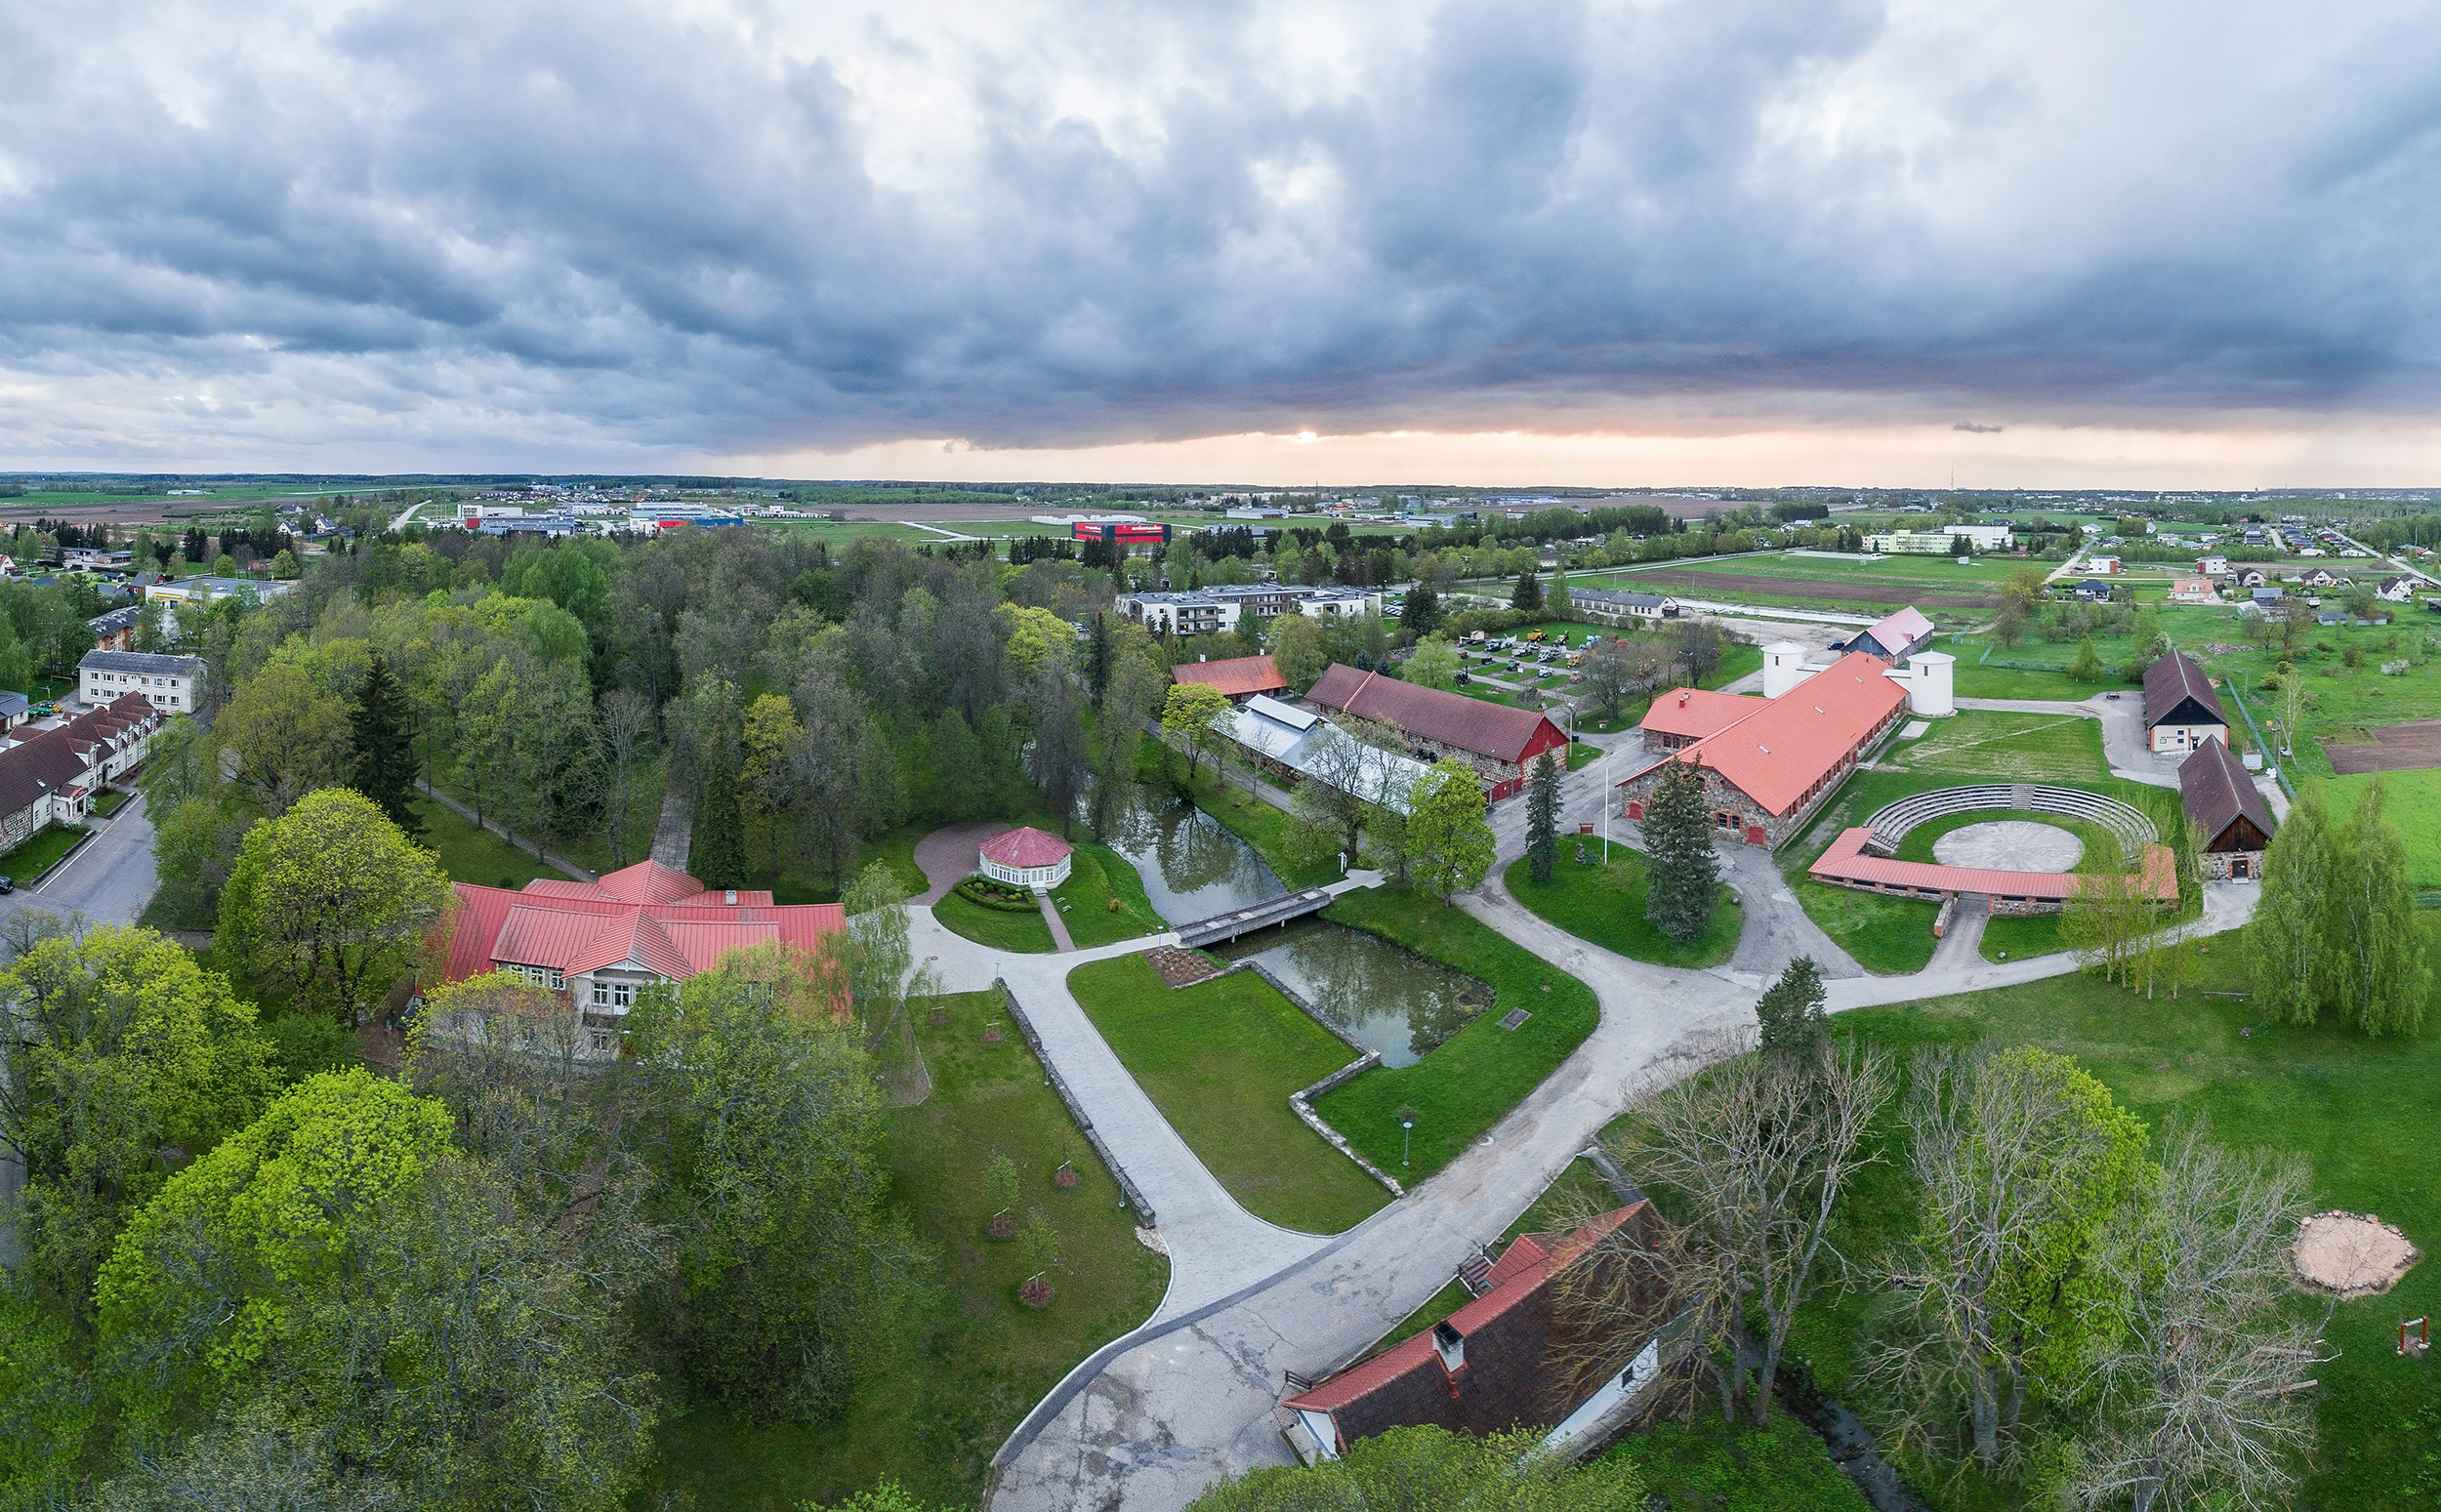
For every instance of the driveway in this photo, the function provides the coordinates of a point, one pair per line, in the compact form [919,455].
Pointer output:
[108,879]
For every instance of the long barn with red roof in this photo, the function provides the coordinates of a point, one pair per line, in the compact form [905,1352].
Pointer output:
[1499,742]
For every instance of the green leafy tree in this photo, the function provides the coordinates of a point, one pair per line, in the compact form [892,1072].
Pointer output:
[329,904]
[2371,962]
[1543,819]
[1192,717]
[1685,874]
[1791,1009]
[47,1405]
[113,1046]
[1527,597]
[716,851]
[2087,665]
[1433,1470]
[287,735]
[383,736]
[1421,615]
[1449,841]
[1296,650]
[1434,664]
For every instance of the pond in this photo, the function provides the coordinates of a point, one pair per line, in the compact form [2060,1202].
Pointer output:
[1389,998]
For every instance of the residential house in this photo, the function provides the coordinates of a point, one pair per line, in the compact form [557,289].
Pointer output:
[50,776]
[2193,590]
[116,630]
[173,684]
[2105,564]
[2213,566]
[2398,591]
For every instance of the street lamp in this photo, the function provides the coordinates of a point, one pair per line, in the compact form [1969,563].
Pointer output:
[1407,1133]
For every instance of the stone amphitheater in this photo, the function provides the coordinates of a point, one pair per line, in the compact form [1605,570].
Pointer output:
[2125,824]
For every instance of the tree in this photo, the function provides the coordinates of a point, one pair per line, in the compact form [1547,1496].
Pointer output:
[623,727]
[329,904]
[287,736]
[2200,1403]
[1057,757]
[1617,669]
[552,726]
[1343,791]
[486,721]
[765,1133]
[1434,664]
[2087,665]
[1191,717]
[1449,841]
[717,856]
[1789,1012]
[284,566]
[1543,819]
[2372,957]
[876,905]
[1684,874]
[769,780]
[1132,694]
[1700,645]
[1759,1150]
[1433,1469]
[1296,650]
[2021,1161]
[258,1461]
[113,1046]
[385,745]
[1421,615]
[2284,937]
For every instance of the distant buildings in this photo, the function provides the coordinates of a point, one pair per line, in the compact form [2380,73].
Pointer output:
[1612,605]
[1211,610]
[1948,540]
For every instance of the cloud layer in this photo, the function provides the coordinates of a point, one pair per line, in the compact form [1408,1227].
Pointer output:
[557,234]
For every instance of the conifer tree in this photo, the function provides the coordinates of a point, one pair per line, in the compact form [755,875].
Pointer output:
[1543,819]
[1791,1009]
[1684,871]
[1529,594]
[717,856]
[385,751]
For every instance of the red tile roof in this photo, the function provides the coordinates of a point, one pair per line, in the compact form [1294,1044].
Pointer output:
[1778,754]
[1496,730]
[1691,713]
[1025,846]
[1846,861]
[1235,678]
[574,927]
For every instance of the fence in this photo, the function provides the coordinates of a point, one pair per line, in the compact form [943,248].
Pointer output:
[2279,769]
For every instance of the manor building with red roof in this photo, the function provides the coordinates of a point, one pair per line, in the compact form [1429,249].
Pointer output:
[1499,742]
[1237,679]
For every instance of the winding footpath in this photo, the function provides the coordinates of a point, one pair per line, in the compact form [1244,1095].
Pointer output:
[1155,1416]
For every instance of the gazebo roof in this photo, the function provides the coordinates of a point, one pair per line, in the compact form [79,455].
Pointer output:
[1026,846]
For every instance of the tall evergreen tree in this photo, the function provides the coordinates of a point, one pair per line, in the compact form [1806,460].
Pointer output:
[384,748]
[1529,594]
[1422,614]
[716,855]
[1791,1009]
[1684,871]
[1543,819]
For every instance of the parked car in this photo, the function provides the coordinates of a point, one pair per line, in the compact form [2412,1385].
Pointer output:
[6,886]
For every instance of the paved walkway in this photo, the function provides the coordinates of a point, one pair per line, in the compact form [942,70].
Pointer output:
[947,856]
[548,858]
[1058,925]
[1962,943]
[674,834]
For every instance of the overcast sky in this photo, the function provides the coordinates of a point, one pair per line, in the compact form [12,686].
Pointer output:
[1797,241]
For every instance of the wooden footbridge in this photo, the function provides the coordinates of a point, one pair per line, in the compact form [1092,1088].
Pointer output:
[1270,912]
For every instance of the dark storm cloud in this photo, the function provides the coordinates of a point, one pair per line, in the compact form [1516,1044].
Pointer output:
[522,226]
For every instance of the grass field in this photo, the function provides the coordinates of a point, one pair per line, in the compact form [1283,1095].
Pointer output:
[471,855]
[1220,1059]
[950,1383]
[108,802]
[1605,905]
[39,853]
[2341,702]
[1989,746]
[2361,1111]
[2021,937]
[2413,801]
[1004,930]
[1471,1081]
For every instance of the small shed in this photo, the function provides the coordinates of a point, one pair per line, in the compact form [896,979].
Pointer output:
[1027,857]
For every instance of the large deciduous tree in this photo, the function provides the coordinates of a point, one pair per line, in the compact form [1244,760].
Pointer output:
[1449,841]
[1434,664]
[1296,651]
[624,729]
[288,735]
[1685,875]
[329,905]
[2334,931]
[716,853]
[1192,717]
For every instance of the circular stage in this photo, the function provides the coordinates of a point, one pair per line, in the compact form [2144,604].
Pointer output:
[2010,845]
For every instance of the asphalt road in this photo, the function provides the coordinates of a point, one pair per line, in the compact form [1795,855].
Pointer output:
[108,879]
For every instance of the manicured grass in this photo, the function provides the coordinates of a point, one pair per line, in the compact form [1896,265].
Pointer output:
[1605,905]
[1004,930]
[1220,1059]
[951,1382]
[2021,937]
[108,802]
[1097,876]
[1704,1463]
[1469,1083]
[1989,746]
[39,853]
[471,855]
[2360,1110]
[1887,936]
[1582,755]
[1969,680]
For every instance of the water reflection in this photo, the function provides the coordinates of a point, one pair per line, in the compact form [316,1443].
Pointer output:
[1192,868]
[1392,999]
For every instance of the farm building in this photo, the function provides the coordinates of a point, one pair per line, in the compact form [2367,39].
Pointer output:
[1613,605]
[1499,742]
[1297,743]
[2180,710]
[1897,637]
[602,942]
[1237,679]
[1768,769]
[1678,719]
[1496,1363]
[2225,804]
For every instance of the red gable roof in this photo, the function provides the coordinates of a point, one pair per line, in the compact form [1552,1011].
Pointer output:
[1495,731]
[1237,677]
[2157,875]
[1900,631]
[1777,755]
[654,915]
[1025,846]
[55,760]
[2175,682]
[1691,713]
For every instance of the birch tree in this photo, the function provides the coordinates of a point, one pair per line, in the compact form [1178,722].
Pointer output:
[2372,962]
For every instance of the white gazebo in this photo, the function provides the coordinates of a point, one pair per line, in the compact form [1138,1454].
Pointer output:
[1027,857]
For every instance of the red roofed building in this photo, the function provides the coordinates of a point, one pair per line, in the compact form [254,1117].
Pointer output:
[1847,864]
[1499,742]
[50,776]
[1027,857]
[1681,716]
[601,942]
[1766,773]
[1489,1366]
[1237,679]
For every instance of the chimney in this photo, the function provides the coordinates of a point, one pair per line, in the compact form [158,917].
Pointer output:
[1452,1345]
[732,900]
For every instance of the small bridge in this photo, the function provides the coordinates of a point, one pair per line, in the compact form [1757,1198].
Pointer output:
[1221,927]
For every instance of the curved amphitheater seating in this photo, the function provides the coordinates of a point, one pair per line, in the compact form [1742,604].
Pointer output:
[2134,831]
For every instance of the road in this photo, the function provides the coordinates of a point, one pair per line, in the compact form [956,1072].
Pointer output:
[407,513]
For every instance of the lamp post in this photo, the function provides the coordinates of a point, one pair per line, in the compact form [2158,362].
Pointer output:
[1407,1133]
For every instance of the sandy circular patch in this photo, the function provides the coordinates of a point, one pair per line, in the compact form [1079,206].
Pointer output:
[2349,1253]
[2010,845]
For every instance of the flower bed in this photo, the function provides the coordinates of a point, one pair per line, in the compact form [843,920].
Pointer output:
[983,891]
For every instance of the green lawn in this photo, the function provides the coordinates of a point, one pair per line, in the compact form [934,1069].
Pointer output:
[1605,905]
[39,853]
[1007,929]
[1582,755]
[1468,1084]
[2361,1111]
[2021,937]
[949,1385]
[1220,1059]
[1989,746]
[2414,800]
[471,855]
[1096,875]
[108,802]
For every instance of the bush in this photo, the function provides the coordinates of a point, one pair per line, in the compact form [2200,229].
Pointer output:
[987,893]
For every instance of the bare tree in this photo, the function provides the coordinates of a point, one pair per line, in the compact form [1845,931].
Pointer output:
[2019,1159]
[1346,781]
[2201,1388]
[828,766]
[1757,1149]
